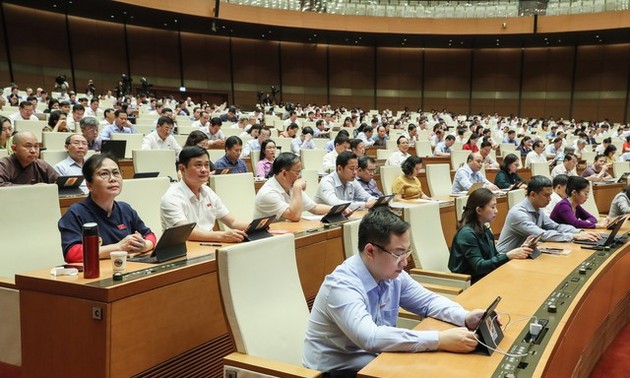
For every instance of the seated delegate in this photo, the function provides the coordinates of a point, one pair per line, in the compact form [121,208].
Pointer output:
[507,177]
[528,218]
[341,186]
[191,200]
[570,211]
[470,173]
[119,226]
[283,195]
[621,203]
[407,185]
[354,315]
[473,251]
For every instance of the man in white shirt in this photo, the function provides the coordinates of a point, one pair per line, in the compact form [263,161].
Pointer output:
[567,167]
[93,110]
[292,119]
[536,155]
[411,134]
[191,200]
[214,133]
[341,186]
[24,113]
[77,147]
[202,122]
[342,143]
[161,138]
[109,117]
[488,161]
[283,195]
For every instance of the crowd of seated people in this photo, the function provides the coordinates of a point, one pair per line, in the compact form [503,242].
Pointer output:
[551,209]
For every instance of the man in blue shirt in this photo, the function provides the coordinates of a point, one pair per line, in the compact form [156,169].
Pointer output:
[231,161]
[528,218]
[470,173]
[121,126]
[354,314]
[365,176]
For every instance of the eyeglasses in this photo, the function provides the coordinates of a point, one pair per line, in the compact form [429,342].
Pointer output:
[79,143]
[106,175]
[398,258]
[7,128]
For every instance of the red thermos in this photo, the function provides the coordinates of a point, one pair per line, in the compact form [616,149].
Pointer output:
[91,261]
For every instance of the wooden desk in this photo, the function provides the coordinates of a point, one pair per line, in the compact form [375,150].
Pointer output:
[171,321]
[598,312]
[604,194]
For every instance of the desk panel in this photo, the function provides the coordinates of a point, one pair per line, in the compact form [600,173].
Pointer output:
[173,319]
[604,194]
[598,312]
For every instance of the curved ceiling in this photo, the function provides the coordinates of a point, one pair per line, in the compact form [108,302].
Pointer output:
[120,12]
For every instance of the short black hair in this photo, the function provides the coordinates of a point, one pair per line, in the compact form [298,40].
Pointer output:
[284,161]
[307,130]
[576,183]
[77,107]
[538,183]
[560,179]
[118,112]
[365,160]
[232,141]
[190,152]
[215,121]
[165,120]
[344,157]
[341,139]
[450,137]
[292,126]
[568,157]
[93,163]
[410,164]
[354,143]
[378,225]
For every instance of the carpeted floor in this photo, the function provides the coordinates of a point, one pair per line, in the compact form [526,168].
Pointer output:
[615,363]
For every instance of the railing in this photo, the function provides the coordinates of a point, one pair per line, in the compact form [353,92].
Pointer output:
[441,9]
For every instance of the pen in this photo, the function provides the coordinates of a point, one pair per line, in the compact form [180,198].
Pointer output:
[211,244]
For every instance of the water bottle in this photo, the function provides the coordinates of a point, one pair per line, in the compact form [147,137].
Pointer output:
[91,261]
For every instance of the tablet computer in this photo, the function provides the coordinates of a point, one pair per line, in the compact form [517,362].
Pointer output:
[259,228]
[489,330]
[336,213]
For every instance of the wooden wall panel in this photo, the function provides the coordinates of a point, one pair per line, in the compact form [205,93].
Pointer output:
[99,53]
[154,54]
[547,78]
[39,48]
[255,68]
[351,76]
[496,77]
[304,72]
[5,76]
[447,79]
[206,62]
[399,77]
[600,84]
